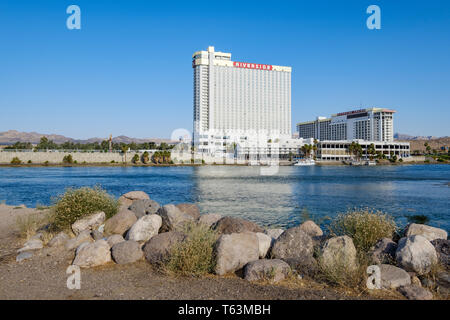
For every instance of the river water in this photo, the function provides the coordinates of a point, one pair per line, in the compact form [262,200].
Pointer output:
[272,200]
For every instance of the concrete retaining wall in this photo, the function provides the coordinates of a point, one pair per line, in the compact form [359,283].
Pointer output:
[57,157]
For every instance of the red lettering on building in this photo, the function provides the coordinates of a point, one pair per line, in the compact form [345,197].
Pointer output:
[252,65]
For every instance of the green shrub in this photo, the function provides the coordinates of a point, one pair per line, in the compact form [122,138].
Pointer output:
[29,161]
[46,163]
[16,160]
[364,226]
[76,203]
[194,256]
[135,158]
[68,159]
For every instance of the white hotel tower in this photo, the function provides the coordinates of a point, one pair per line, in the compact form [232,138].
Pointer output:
[239,103]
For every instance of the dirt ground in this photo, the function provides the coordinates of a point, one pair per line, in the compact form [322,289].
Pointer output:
[44,277]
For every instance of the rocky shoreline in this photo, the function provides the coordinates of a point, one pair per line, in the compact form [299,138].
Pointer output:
[144,233]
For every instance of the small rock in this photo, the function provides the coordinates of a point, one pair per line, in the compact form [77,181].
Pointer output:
[229,225]
[415,280]
[23,256]
[97,235]
[84,236]
[274,270]
[126,252]
[173,218]
[383,251]
[90,222]
[145,228]
[339,252]
[292,243]
[233,251]
[209,219]
[33,244]
[393,277]
[428,232]
[37,236]
[274,233]
[93,254]
[115,238]
[58,240]
[416,253]
[264,244]
[120,223]
[143,207]
[190,208]
[414,292]
[311,228]
[157,249]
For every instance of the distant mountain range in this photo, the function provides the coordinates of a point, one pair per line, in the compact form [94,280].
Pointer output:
[13,136]
[400,136]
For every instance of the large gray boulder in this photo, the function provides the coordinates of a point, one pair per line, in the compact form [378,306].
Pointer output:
[442,248]
[304,266]
[58,240]
[209,219]
[84,236]
[143,207]
[113,239]
[93,254]
[158,249]
[126,252]
[415,292]
[416,254]
[393,277]
[428,232]
[293,243]
[274,233]
[89,222]
[128,198]
[339,252]
[383,251]
[120,223]
[273,270]
[145,228]
[234,251]
[311,229]
[173,218]
[228,225]
[190,208]
[264,244]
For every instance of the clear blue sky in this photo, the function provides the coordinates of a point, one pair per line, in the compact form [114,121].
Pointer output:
[128,70]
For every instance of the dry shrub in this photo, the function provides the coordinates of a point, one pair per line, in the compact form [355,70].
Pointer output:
[364,226]
[77,203]
[194,256]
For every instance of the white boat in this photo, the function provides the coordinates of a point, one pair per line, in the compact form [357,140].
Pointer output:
[305,162]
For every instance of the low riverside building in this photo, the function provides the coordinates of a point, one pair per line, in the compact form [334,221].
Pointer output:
[371,124]
[338,150]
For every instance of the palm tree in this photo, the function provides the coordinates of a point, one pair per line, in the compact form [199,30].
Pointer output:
[371,151]
[306,149]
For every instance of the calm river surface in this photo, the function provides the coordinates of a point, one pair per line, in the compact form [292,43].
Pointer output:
[275,200]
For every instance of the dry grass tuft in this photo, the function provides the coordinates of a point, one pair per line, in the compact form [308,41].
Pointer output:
[29,224]
[364,226]
[194,256]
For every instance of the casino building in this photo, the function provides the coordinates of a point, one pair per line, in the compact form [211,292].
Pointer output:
[372,124]
[241,104]
[368,127]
